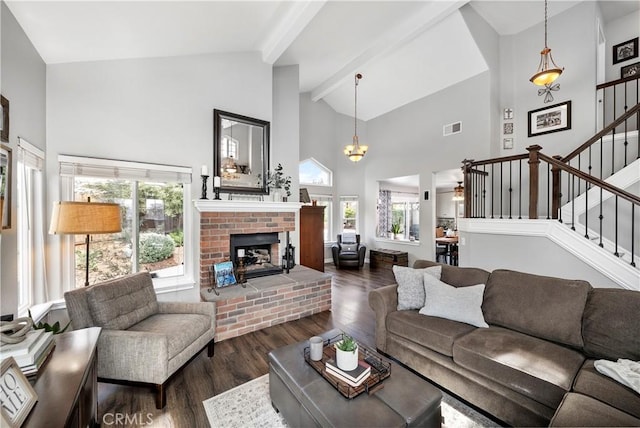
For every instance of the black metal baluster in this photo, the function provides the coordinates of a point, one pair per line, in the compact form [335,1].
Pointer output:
[586,209]
[484,191]
[510,189]
[573,203]
[616,229]
[633,227]
[548,189]
[493,195]
[501,192]
[626,143]
[601,157]
[601,217]
[520,189]
[579,156]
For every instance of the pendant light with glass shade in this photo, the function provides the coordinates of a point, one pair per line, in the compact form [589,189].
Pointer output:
[458,192]
[355,151]
[548,71]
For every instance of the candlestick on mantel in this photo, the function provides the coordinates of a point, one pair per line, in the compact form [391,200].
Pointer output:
[204,186]
[216,188]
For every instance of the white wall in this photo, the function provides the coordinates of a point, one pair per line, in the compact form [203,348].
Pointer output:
[23,84]
[616,32]
[537,255]
[157,110]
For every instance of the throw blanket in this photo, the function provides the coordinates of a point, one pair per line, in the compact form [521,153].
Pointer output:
[626,372]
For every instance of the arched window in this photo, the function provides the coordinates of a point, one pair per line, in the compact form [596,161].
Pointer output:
[314,173]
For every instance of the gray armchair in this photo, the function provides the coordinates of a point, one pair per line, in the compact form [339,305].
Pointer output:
[348,251]
[143,341]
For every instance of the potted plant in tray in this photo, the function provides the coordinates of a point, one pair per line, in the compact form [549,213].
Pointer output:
[395,230]
[347,353]
[279,182]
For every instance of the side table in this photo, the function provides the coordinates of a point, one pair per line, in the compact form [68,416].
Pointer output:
[67,385]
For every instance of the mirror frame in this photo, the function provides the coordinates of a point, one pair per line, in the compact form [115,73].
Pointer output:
[6,208]
[218,116]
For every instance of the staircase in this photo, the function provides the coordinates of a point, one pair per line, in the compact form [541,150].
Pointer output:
[587,202]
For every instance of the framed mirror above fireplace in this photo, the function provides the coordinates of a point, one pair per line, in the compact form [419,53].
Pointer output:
[240,152]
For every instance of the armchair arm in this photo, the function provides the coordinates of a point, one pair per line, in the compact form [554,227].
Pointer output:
[122,355]
[335,251]
[204,308]
[362,251]
[383,301]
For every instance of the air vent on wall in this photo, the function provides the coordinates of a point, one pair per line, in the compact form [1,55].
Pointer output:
[452,128]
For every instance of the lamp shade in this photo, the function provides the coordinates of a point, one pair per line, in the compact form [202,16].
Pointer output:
[85,218]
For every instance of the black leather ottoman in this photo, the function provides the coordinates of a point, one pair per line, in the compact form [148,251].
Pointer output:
[305,399]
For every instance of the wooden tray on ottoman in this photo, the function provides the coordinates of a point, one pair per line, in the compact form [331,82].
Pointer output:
[373,382]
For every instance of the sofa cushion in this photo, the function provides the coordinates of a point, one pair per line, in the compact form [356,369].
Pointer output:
[545,307]
[536,368]
[349,248]
[577,410]
[437,334]
[461,304]
[411,285]
[594,384]
[611,324]
[122,302]
[455,275]
[181,329]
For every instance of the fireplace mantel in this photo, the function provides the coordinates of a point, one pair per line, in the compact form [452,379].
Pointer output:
[207,205]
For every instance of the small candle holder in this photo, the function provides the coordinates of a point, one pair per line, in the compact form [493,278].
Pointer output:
[216,188]
[240,272]
[204,186]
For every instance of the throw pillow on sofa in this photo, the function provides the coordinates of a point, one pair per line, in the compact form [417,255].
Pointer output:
[410,285]
[463,304]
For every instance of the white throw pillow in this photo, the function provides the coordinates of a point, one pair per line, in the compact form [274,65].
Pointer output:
[463,304]
[410,285]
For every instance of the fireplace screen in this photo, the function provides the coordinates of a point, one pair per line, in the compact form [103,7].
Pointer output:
[260,253]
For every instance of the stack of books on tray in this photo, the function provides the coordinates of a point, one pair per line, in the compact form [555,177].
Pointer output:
[355,377]
[31,353]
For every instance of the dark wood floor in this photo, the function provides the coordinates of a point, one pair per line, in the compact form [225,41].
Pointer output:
[241,359]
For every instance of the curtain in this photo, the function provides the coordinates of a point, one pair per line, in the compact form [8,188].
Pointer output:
[384,213]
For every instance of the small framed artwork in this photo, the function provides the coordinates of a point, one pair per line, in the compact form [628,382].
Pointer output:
[4,131]
[550,119]
[507,143]
[224,275]
[625,50]
[5,187]
[507,128]
[630,70]
[304,196]
[507,114]
[17,397]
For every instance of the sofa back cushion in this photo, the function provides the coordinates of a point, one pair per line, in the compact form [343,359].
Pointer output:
[456,276]
[611,324]
[541,306]
[78,308]
[122,302]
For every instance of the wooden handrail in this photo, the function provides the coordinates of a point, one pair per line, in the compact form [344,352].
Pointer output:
[498,160]
[617,82]
[591,179]
[602,133]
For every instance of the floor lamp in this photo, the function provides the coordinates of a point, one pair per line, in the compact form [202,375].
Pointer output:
[85,218]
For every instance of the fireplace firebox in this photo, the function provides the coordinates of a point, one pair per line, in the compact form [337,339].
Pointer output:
[260,253]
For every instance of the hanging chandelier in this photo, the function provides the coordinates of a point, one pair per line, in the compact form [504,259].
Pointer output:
[458,192]
[355,151]
[548,71]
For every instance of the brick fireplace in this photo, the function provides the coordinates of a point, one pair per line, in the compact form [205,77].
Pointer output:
[265,301]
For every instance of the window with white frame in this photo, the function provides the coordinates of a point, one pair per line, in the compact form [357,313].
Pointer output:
[349,213]
[325,201]
[155,219]
[314,173]
[32,287]
[398,211]
[229,147]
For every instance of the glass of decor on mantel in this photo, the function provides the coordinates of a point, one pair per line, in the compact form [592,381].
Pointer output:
[279,184]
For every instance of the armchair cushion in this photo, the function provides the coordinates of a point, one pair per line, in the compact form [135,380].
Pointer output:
[349,248]
[120,307]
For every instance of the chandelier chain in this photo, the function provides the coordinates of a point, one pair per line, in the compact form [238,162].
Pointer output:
[355,106]
[545,23]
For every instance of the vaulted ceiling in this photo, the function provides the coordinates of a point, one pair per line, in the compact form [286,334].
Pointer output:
[392,43]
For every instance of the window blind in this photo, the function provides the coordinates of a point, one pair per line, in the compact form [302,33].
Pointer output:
[29,155]
[73,166]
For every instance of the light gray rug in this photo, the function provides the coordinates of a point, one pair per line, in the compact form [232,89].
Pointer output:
[249,405]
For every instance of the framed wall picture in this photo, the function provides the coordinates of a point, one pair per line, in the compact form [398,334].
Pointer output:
[630,70]
[5,187]
[625,50]
[507,143]
[549,119]
[4,132]
[507,128]
[17,397]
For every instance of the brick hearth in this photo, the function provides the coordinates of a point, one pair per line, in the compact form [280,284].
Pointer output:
[265,301]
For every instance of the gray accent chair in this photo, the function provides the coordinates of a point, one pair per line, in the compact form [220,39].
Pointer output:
[143,341]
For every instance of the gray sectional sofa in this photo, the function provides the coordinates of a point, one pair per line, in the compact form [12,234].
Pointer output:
[534,364]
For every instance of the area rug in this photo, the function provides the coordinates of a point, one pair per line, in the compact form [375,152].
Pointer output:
[249,405]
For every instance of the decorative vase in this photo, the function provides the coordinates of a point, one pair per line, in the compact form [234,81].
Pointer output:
[346,360]
[277,194]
